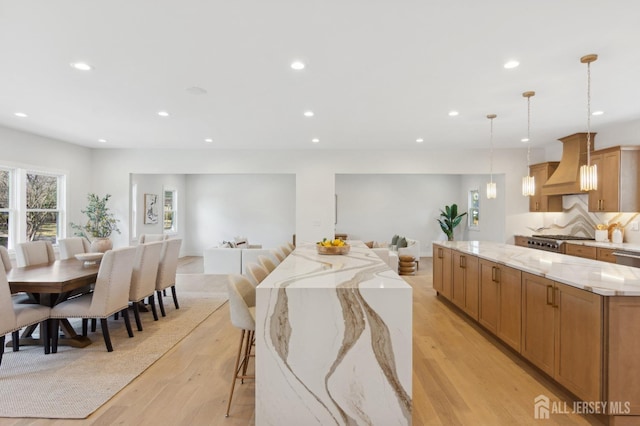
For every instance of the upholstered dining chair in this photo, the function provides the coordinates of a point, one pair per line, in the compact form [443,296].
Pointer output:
[242,309]
[167,271]
[14,316]
[143,278]
[110,295]
[255,273]
[34,253]
[267,263]
[152,238]
[69,247]
[4,257]
[277,254]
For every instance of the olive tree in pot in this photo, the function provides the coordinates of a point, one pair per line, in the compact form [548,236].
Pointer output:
[450,219]
[101,223]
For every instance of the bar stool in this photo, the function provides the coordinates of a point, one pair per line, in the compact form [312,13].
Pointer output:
[242,309]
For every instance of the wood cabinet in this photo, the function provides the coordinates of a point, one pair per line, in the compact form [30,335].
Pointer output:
[562,334]
[579,250]
[442,272]
[605,255]
[464,290]
[618,169]
[521,241]
[499,301]
[539,202]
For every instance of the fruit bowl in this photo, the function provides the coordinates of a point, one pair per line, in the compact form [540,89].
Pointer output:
[333,249]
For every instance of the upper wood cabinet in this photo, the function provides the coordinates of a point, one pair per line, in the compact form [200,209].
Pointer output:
[618,177]
[539,202]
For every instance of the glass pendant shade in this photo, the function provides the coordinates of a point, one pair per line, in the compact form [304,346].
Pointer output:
[588,177]
[588,172]
[528,186]
[491,190]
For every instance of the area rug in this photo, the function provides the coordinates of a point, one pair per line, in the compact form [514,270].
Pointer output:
[75,382]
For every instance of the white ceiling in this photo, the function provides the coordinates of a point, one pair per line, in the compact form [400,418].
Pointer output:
[379,74]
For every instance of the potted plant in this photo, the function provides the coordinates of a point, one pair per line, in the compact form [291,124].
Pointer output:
[101,223]
[450,220]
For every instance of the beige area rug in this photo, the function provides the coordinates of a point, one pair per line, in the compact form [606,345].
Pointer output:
[75,382]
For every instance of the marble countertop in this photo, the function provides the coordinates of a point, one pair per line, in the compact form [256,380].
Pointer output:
[305,268]
[606,279]
[622,246]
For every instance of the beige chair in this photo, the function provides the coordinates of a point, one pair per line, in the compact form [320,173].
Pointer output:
[69,247]
[111,295]
[34,253]
[277,254]
[167,271]
[152,238]
[4,256]
[242,309]
[285,250]
[255,273]
[267,263]
[14,316]
[143,278]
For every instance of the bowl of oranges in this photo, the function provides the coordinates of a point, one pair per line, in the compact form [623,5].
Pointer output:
[334,246]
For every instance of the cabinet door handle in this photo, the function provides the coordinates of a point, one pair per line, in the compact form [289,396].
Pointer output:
[537,206]
[493,273]
[463,262]
[550,296]
[556,290]
[440,253]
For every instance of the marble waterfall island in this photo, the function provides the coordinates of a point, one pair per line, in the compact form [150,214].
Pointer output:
[333,341]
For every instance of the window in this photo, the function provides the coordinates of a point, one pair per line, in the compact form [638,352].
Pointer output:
[42,207]
[5,206]
[170,210]
[31,206]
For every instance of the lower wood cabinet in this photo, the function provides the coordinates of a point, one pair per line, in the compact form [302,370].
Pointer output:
[562,330]
[499,304]
[464,289]
[588,252]
[442,270]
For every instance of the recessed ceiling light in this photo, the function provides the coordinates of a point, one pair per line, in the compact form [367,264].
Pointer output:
[523,140]
[453,113]
[81,66]
[102,140]
[315,140]
[20,114]
[419,140]
[297,65]
[163,113]
[308,113]
[208,140]
[597,113]
[511,64]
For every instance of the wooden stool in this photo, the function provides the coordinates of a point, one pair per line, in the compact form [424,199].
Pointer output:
[406,265]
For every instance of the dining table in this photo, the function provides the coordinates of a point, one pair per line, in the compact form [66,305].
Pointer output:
[49,284]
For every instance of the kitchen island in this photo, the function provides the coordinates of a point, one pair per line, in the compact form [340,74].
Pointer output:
[576,319]
[333,341]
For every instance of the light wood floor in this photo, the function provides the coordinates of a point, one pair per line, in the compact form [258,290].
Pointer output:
[462,376]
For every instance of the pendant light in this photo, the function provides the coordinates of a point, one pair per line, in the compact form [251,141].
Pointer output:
[491,186]
[588,172]
[528,182]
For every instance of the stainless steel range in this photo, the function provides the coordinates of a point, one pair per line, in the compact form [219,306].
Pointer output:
[553,243]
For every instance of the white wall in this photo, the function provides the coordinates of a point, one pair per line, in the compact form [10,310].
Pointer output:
[374,207]
[492,212]
[222,207]
[35,152]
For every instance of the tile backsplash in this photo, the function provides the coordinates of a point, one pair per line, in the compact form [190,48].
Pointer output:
[576,219]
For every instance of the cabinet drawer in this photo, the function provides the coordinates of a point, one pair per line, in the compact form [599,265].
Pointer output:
[581,251]
[606,255]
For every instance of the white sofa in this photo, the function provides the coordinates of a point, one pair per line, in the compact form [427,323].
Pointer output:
[225,260]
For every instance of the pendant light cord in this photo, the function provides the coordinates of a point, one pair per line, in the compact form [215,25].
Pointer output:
[528,133]
[588,113]
[491,152]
